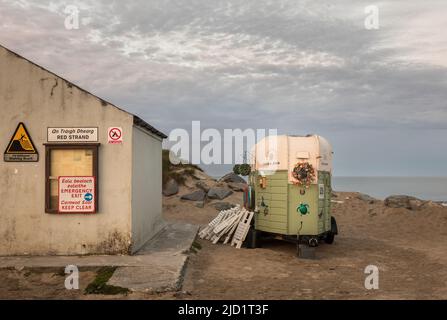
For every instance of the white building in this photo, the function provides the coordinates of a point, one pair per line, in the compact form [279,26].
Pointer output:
[111,199]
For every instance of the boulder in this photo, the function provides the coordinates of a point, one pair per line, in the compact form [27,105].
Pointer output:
[198,195]
[366,198]
[202,185]
[171,188]
[237,187]
[407,202]
[219,193]
[232,177]
[221,206]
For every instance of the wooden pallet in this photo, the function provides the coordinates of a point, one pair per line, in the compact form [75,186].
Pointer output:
[207,231]
[242,230]
[229,225]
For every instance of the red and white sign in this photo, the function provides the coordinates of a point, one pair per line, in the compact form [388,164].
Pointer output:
[115,135]
[77,195]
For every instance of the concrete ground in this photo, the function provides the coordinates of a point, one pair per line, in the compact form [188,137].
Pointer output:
[158,267]
[164,257]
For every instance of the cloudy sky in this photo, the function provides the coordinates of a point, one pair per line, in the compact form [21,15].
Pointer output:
[379,96]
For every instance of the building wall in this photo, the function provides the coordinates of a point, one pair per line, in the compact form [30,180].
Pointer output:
[40,99]
[146,187]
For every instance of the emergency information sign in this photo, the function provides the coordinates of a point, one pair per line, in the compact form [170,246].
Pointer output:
[77,195]
[72,134]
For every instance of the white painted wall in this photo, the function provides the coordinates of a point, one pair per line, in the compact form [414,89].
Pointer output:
[40,99]
[146,187]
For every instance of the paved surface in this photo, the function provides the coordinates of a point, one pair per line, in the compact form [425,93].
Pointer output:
[165,272]
[158,266]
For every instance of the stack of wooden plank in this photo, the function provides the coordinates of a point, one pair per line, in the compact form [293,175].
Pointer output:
[230,226]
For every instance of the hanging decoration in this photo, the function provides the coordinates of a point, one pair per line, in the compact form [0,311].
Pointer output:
[304,174]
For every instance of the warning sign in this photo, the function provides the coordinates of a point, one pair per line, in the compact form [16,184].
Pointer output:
[115,135]
[21,147]
[77,195]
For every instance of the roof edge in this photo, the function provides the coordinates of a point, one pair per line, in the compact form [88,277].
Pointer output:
[137,121]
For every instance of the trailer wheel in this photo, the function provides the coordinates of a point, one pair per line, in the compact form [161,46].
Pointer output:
[330,236]
[252,240]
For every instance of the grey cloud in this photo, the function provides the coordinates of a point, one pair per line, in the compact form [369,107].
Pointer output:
[301,66]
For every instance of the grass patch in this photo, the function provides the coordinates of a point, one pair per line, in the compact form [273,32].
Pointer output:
[196,247]
[171,171]
[100,286]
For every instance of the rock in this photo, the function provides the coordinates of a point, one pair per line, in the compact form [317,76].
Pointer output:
[202,185]
[237,187]
[198,195]
[219,193]
[232,177]
[407,202]
[171,188]
[366,198]
[221,206]
[200,204]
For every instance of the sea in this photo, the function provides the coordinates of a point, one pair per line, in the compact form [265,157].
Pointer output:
[425,188]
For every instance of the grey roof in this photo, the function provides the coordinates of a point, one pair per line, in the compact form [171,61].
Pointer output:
[136,120]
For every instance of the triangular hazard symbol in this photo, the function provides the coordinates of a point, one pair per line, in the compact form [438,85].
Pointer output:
[21,146]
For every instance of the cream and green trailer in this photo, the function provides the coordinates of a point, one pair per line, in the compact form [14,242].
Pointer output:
[284,207]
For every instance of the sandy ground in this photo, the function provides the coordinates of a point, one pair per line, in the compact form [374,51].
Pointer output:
[409,247]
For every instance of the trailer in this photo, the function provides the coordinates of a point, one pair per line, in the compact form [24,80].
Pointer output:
[290,190]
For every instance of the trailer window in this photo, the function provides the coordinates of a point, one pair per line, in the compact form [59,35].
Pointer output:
[67,160]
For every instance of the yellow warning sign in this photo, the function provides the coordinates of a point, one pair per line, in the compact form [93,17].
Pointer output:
[21,147]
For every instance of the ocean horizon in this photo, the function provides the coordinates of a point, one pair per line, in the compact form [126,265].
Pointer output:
[425,188]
